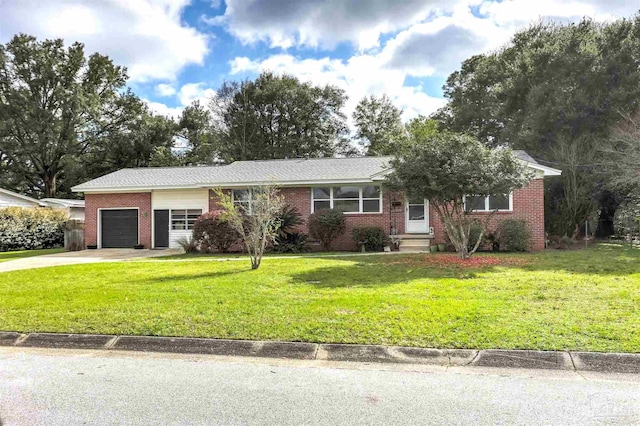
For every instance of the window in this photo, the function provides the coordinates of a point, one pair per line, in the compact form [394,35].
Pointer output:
[501,202]
[242,198]
[348,199]
[183,220]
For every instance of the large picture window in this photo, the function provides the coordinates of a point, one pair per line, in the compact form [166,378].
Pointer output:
[347,199]
[502,202]
[183,220]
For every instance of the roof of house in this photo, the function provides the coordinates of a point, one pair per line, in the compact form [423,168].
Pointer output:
[289,172]
[64,202]
[20,196]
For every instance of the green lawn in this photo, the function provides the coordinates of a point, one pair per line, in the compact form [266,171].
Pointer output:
[580,300]
[19,254]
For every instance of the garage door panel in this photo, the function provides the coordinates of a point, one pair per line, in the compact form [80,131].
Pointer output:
[119,228]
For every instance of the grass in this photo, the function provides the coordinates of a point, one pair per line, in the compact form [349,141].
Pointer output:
[20,254]
[578,300]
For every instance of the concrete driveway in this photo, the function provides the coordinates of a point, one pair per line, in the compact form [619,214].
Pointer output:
[80,257]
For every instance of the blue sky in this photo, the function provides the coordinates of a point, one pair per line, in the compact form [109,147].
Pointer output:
[178,51]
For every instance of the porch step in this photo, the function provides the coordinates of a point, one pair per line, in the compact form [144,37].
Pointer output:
[415,245]
[416,236]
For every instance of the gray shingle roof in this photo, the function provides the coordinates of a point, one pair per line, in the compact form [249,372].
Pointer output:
[283,172]
[243,172]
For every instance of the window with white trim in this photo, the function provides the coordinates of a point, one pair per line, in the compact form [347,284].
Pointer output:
[347,199]
[183,220]
[501,203]
[242,198]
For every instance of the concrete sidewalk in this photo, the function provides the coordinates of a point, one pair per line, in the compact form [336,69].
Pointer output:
[81,257]
[524,359]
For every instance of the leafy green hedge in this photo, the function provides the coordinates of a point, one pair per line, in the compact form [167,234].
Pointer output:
[28,229]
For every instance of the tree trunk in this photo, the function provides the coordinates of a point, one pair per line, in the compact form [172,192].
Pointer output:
[608,206]
[49,179]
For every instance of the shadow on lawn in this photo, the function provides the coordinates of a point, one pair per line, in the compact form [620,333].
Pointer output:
[173,278]
[378,271]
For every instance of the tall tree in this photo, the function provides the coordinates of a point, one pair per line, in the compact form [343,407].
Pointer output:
[195,129]
[555,91]
[379,125]
[277,117]
[55,105]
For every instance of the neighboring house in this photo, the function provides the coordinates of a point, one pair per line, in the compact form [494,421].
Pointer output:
[73,208]
[157,206]
[13,199]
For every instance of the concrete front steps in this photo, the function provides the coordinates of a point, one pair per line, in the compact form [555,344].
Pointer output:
[415,243]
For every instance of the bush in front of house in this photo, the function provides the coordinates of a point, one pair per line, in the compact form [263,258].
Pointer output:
[326,225]
[513,235]
[212,233]
[32,228]
[288,240]
[373,237]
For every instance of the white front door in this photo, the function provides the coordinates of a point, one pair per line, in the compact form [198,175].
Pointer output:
[417,216]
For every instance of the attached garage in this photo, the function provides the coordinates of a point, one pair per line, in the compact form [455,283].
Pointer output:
[118,228]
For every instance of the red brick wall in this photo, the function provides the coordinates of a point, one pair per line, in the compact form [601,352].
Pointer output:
[528,204]
[301,199]
[93,202]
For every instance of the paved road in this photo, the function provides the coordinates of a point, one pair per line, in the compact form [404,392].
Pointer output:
[80,257]
[94,387]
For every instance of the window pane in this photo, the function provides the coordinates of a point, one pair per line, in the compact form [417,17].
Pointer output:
[371,192]
[178,214]
[349,206]
[416,212]
[321,205]
[240,194]
[178,225]
[321,193]
[475,203]
[499,202]
[371,205]
[346,192]
[243,205]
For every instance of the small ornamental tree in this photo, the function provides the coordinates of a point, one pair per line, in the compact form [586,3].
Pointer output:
[256,227]
[447,167]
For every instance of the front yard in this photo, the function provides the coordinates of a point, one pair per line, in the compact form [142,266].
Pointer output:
[579,300]
[6,256]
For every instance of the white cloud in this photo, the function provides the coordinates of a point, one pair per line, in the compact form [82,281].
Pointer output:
[359,76]
[147,36]
[195,92]
[164,90]
[187,94]
[312,23]
[159,108]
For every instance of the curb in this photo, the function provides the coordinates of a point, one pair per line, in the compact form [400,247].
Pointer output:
[549,360]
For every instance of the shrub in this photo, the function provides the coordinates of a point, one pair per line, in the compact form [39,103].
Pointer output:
[188,244]
[560,243]
[513,235]
[293,242]
[288,220]
[212,233]
[33,228]
[325,226]
[374,237]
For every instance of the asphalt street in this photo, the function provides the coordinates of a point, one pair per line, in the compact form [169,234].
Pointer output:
[69,387]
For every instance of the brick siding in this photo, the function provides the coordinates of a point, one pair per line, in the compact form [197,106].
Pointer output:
[93,202]
[528,204]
